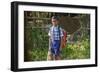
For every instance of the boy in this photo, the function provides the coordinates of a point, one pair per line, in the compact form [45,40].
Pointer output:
[55,39]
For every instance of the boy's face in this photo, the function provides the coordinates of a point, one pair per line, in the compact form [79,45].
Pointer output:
[55,22]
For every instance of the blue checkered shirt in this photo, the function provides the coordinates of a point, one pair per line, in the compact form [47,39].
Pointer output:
[55,33]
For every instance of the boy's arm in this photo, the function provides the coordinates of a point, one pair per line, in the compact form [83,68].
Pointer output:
[49,43]
[61,42]
[49,34]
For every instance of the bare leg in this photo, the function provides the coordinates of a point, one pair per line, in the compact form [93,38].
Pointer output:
[50,56]
[57,57]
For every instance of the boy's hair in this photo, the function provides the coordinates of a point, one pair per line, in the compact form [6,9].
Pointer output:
[56,17]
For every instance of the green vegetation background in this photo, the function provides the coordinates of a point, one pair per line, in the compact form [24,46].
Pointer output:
[36,38]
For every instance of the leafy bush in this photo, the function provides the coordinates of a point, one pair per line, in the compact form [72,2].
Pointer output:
[78,50]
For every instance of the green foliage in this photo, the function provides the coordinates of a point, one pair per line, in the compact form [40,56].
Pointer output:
[78,50]
[39,38]
[36,38]
[39,54]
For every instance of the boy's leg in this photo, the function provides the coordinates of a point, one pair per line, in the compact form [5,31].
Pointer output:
[49,56]
[57,51]
[57,57]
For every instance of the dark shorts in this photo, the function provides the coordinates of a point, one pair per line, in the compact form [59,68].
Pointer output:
[55,47]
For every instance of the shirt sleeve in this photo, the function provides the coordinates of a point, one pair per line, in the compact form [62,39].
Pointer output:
[61,32]
[49,34]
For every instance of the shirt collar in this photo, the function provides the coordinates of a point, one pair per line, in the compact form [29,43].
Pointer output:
[55,26]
